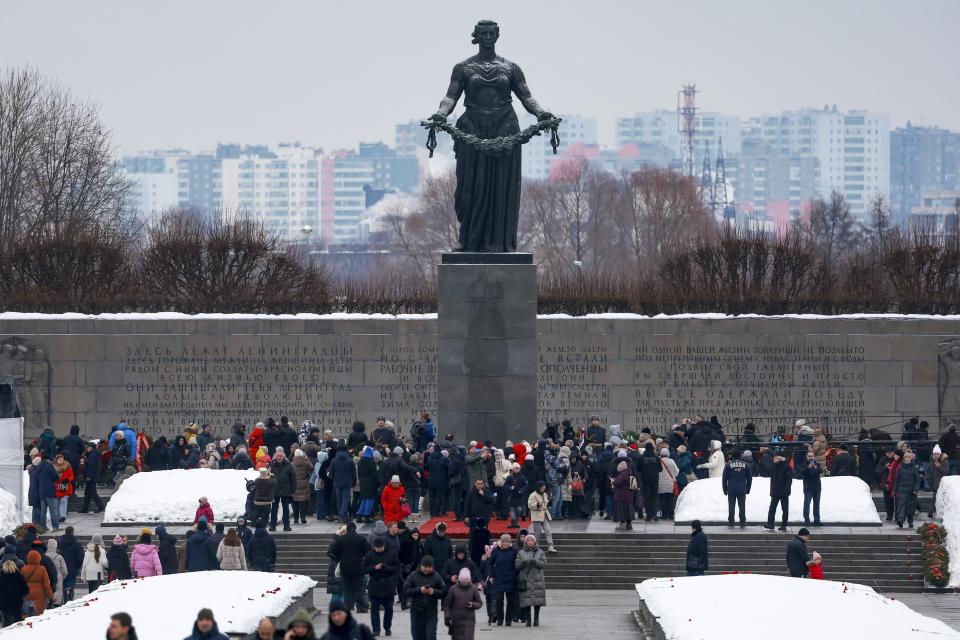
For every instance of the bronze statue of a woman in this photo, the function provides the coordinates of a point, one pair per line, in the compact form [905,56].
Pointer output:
[487,198]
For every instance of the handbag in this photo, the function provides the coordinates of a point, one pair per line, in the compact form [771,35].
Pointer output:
[404,508]
[676,487]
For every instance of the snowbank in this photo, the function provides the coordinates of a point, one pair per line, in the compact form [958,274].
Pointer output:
[10,516]
[171,496]
[948,506]
[844,500]
[165,607]
[700,609]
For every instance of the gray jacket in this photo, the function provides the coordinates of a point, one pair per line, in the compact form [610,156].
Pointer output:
[908,479]
[530,564]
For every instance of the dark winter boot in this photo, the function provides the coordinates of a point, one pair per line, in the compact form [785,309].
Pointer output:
[536,616]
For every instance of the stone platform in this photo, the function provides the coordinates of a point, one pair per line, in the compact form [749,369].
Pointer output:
[487,346]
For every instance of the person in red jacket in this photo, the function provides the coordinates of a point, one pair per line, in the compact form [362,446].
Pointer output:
[204,510]
[255,441]
[64,488]
[391,499]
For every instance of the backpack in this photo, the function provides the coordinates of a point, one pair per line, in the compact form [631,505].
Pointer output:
[417,431]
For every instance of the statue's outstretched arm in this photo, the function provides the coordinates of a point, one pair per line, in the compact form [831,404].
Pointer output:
[522,91]
[449,101]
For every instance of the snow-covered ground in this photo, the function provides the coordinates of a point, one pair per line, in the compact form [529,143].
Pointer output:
[165,607]
[948,506]
[843,500]
[715,608]
[172,496]
[10,516]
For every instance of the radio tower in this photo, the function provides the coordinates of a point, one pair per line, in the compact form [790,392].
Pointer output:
[706,179]
[722,207]
[687,124]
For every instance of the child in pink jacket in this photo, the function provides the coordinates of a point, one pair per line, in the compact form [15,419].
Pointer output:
[145,559]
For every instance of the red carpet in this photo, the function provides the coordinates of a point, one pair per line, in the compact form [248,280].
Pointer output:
[457,529]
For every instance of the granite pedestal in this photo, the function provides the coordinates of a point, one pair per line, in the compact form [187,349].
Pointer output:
[487,346]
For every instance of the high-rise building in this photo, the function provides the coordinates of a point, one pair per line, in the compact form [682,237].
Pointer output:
[155,178]
[390,169]
[852,149]
[345,179]
[659,128]
[537,154]
[771,186]
[922,160]
[282,190]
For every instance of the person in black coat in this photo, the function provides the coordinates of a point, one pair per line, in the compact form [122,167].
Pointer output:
[349,550]
[245,532]
[383,567]
[13,589]
[461,560]
[478,503]
[286,481]
[781,482]
[424,588]
[72,447]
[118,560]
[262,550]
[765,463]
[810,474]
[798,558]
[91,475]
[358,437]
[649,467]
[286,436]
[736,482]
[72,551]
[158,456]
[342,474]
[698,551]
[167,548]
[201,551]
[438,545]
[502,574]
[438,464]
[844,464]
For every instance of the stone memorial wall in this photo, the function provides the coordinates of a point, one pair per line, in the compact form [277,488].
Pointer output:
[159,374]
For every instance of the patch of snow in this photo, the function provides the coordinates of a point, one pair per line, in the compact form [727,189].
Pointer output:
[699,608]
[165,607]
[843,500]
[172,496]
[10,516]
[948,506]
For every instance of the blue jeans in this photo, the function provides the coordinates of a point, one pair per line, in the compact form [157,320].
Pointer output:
[807,497]
[423,627]
[556,500]
[413,499]
[37,512]
[321,505]
[344,495]
[51,505]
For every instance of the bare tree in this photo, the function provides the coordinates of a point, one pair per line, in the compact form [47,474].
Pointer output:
[831,226]
[658,209]
[57,170]
[878,226]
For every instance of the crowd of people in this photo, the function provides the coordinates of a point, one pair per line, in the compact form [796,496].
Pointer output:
[385,478]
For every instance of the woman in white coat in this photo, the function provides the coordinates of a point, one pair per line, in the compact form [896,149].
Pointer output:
[715,462]
[94,568]
[230,552]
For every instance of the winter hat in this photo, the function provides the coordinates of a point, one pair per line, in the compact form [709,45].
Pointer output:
[118,539]
[205,614]
[746,455]
[664,453]
[937,450]
[264,472]
[696,525]
[376,455]
[426,561]
[398,451]
[565,451]
[515,466]
[339,605]
[145,531]
[395,479]
[97,539]
[803,531]
[529,458]
[192,441]
[299,453]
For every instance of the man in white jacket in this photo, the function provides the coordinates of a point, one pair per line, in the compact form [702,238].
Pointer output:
[714,464]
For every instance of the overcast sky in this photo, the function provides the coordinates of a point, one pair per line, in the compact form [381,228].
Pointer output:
[192,73]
